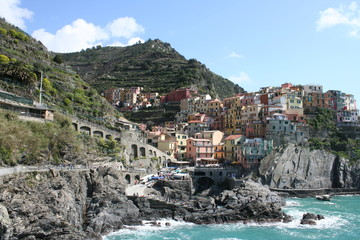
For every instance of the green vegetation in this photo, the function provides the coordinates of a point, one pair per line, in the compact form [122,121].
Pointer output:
[154,65]
[110,147]
[24,142]
[29,143]
[4,59]
[58,59]
[325,135]
[324,120]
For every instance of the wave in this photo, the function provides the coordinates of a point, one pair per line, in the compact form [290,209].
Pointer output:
[292,203]
[150,227]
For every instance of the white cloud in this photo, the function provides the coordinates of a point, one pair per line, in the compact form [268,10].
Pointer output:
[81,35]
[235,55]
[10,10]
[354,33]
[131,41]
[74,37]
[343,15]
[240,79]
[125,27]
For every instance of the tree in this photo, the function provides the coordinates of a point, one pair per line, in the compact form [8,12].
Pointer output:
[58,59]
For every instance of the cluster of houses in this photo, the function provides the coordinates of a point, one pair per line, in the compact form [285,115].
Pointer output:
[131,99]
[244,128]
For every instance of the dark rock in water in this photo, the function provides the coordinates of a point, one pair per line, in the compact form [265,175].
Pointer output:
[308,222]
[310,218]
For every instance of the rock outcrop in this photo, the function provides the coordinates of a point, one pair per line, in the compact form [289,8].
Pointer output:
[253,202]
[64,205]
[85,204]
[311,218]
[302,168]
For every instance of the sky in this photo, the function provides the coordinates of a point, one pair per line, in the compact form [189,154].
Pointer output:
[255,43]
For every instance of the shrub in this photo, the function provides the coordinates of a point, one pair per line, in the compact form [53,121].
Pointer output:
[48,87]
[3,31]
[67,101]
[13,33]
[58,59]
[4,59]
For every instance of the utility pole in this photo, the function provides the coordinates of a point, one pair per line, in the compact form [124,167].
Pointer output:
[41,82]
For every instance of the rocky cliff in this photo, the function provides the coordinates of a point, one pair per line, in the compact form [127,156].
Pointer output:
[85,204]
[64,205]
[303,168]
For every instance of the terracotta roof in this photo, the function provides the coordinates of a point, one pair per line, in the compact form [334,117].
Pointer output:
[232,137]
[195,121]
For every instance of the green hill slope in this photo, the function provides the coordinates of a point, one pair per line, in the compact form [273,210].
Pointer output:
[22,59]
[154,65]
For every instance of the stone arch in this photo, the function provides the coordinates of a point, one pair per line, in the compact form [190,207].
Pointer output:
[108,136]
[137,177]
[128,178]
[142,152]
[75,125]
[150,152]
[203,183]
[98,134]
[85,129]
[160,159]
[154,153]
[134,150]
[164,158]
[117,139]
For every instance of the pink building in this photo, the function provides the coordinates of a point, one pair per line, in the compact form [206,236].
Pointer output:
[200,151]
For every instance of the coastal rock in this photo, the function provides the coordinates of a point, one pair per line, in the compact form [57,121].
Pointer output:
[253,202]
[64,205]
[302,168]
[311,218]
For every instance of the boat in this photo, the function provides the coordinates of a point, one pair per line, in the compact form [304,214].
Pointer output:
[323,197]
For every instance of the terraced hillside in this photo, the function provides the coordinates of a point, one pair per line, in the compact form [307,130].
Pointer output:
[154,65]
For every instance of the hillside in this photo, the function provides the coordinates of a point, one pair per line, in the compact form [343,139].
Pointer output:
[22,59]
[154,65]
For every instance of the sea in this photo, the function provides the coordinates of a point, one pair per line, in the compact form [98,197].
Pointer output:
[342,222]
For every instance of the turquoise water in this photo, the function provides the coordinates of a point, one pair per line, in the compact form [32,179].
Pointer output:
[342,221]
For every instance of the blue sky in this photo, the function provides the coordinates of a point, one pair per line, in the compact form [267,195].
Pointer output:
[253,43]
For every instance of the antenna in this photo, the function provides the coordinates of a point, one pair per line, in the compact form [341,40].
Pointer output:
[41,82]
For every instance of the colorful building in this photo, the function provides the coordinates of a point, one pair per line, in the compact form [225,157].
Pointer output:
[200,151]
[181,145]
[230,143]
[252,151]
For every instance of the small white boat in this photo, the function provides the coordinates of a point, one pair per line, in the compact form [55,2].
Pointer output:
[323,197]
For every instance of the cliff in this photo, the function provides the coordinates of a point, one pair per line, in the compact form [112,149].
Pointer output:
[85,204]
[64,205]
[303,168]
